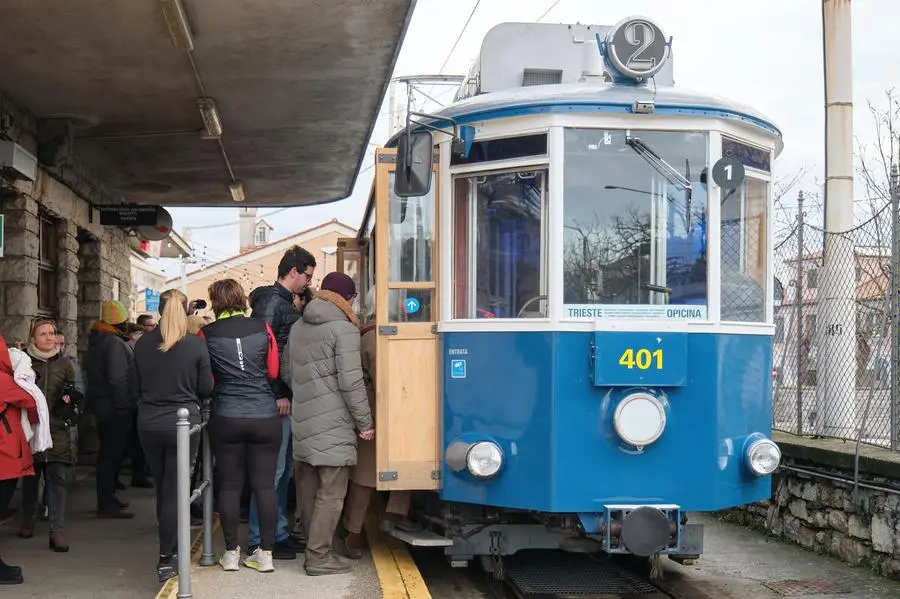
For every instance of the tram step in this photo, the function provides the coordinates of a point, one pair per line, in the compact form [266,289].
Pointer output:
[421,538]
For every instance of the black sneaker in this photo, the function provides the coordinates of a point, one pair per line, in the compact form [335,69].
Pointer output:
[284,550]
[10,574]
[294,543]
[279,551]
[167,568]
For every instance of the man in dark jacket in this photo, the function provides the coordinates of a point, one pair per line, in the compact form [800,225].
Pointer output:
[109,359]
[275,305]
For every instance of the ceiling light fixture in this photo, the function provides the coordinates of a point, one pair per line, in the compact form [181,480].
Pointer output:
[237,191]
[211,119]
[179,29]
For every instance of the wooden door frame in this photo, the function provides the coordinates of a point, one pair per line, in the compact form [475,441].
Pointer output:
[385,164]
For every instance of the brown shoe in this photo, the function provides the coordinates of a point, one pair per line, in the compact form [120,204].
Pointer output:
[58,542]
[114,513]
[27,529]
[353,543]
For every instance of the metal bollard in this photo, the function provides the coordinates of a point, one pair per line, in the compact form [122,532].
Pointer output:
[207,558]
[183,452]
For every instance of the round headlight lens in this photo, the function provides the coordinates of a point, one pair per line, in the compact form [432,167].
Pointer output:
[640,419]
[763,457]
[484,459]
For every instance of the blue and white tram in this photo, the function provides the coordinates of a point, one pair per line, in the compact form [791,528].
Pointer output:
[602,298]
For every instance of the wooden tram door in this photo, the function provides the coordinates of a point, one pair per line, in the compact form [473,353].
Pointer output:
[408,418]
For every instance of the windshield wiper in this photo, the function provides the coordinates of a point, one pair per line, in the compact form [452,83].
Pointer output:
[652,158]
[663,168]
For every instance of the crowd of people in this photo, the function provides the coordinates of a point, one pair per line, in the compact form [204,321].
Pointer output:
[291,392]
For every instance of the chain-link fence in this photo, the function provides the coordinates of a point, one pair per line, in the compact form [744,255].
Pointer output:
[836,342]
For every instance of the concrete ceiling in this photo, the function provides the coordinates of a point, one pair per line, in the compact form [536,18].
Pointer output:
[298,85]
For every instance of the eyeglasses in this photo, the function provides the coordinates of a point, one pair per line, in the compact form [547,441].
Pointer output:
[39,321]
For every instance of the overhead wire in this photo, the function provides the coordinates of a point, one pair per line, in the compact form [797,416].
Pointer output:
[459,37]
[547,12]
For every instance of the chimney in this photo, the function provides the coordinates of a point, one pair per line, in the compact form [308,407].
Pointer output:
[247,223]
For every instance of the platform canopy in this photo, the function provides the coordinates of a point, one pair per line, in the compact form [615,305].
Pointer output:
[295,87]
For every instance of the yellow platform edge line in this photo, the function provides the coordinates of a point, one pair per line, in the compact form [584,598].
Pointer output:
[170,589]
[398,575]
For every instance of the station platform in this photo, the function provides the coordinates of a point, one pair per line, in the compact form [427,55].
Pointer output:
[107,559]
[116,559]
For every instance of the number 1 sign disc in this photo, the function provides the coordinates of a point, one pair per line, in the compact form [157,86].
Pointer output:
[728,173]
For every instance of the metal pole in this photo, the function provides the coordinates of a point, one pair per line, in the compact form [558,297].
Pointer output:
[207,558]
[895,309]
[836,392]
[183,274]
[183,470]
[798,289]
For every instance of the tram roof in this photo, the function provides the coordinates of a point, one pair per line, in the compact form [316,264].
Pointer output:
[601,98]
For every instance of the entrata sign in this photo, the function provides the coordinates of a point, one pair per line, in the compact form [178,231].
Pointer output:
[129,216]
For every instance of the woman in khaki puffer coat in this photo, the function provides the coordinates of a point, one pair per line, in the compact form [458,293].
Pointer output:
[330,409]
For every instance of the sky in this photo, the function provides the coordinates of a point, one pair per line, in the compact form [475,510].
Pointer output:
[767,54]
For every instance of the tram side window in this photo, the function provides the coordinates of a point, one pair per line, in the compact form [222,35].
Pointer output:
[744,222]
[411,233]
[499,228]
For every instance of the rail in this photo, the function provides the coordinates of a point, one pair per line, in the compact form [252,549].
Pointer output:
[187,496]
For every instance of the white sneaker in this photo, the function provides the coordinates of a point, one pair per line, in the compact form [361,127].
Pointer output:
[260,560]
[231,560]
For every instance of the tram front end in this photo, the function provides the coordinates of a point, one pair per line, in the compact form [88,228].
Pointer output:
[606,302]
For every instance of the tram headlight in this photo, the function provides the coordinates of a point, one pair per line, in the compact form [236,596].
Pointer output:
[640,419]
[484,459]
[763,456]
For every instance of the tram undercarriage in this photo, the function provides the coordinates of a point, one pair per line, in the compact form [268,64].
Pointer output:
[468,532]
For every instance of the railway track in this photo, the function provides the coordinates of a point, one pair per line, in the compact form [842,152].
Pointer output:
[552,575]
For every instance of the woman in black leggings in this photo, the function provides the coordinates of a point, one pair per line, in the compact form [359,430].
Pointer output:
[245,429]
[170,371]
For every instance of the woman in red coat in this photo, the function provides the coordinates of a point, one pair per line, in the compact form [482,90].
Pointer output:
[15,455]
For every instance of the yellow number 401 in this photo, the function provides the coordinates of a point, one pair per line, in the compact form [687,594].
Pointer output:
[643,359]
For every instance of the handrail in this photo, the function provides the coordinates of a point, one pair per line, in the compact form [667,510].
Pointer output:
[187,496]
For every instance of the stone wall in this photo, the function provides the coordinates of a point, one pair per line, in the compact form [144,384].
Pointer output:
[19,266]
[827,517]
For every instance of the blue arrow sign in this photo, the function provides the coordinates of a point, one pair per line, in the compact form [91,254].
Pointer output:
[411,305]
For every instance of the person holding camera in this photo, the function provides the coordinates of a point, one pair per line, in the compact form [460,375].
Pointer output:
[55,376]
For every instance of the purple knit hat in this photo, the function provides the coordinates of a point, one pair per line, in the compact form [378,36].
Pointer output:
[339,283]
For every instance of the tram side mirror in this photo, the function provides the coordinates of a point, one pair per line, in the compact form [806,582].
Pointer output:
[414,153]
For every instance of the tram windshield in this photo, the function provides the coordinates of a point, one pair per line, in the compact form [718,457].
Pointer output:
[635,224]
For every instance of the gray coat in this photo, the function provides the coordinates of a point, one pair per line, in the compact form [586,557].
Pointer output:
[322,364]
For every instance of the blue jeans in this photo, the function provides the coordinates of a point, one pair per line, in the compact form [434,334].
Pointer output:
[284,470]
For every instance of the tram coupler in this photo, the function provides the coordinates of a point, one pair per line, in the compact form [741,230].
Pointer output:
[641,530]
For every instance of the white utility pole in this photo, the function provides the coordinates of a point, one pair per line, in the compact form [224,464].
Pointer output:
[836,368]
[183,262]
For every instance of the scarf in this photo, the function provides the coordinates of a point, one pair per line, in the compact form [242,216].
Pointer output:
[104,327]
[34,352]
[222,315]
[39,437]
[342,304]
